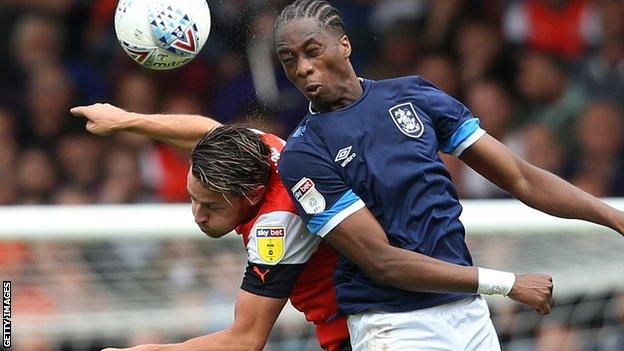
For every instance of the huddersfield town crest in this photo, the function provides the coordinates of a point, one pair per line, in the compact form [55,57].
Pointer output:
[407,120]
[270,240]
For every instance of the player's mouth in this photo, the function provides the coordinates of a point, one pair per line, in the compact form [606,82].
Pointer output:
[313,89]
[205,230]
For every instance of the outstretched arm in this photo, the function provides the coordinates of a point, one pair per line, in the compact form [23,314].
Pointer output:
[254,318]
[538,188]
[182,131]
[363,241]
[333,211]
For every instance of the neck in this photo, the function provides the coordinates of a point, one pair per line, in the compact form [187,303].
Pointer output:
[251,213]
[349,91]
[253,209]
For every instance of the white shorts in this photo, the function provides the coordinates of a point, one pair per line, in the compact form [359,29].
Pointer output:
[461,325]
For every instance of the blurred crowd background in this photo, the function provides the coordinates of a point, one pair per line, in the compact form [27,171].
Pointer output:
[546,77]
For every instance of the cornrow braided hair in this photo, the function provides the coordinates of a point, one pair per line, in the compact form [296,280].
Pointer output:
[324,13]
[231,160]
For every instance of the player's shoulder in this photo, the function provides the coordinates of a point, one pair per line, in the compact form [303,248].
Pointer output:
[279,217]
[304,139]
[271,140]
[276,207]
[397,81]
[277,200]
[413,83]
[302,153]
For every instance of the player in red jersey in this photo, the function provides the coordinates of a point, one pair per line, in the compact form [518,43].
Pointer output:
[284,261]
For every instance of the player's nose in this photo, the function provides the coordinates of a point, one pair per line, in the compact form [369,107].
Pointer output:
[201,215]
[201,222]
[304,68]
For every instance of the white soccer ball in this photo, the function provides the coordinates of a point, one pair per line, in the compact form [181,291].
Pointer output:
[162,34]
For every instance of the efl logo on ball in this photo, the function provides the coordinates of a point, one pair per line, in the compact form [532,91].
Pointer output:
[162,34]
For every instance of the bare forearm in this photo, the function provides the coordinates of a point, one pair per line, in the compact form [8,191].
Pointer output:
[548,193]
[416,272]
[536,187]
[392,266]
[225,340]
[182,131]
[254,317]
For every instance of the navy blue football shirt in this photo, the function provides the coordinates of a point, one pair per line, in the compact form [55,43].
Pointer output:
[381,152]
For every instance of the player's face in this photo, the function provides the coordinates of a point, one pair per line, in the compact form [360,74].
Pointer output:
[215,214]
[316,61]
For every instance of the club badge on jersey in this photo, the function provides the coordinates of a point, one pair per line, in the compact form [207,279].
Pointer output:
[310,199]
[270,240]
[407,120]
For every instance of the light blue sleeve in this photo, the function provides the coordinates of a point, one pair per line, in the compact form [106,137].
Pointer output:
[322,223]
[467,134]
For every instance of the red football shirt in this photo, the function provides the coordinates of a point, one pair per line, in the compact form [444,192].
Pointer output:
[285,260]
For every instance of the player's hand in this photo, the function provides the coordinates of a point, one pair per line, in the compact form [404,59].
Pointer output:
[102,119]
[534,290]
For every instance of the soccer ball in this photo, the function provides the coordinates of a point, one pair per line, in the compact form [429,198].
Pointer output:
[162,34]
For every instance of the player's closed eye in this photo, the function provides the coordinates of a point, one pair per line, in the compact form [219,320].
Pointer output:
[213,207]
[288,60]
[313,52]
[208,205]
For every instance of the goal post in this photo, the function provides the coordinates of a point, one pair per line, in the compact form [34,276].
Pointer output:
[93,222]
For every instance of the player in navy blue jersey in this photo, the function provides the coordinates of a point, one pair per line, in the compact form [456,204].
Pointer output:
[364,172]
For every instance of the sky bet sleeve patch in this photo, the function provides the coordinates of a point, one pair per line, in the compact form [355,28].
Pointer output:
[270,241]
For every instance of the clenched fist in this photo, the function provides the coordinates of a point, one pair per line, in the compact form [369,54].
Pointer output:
[534,290]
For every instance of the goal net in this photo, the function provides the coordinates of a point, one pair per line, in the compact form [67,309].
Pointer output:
[93,276]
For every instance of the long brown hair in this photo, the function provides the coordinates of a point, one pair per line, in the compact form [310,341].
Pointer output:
[231,160]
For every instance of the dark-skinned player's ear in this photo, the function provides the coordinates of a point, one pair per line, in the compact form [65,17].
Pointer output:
[346,46]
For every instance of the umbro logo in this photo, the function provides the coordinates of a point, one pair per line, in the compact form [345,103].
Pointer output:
[343,153]
[345,156]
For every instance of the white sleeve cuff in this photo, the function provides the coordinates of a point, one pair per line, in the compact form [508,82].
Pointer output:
[339,217]
[476,135]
